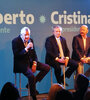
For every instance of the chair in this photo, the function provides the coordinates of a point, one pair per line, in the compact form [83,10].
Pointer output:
[63,68]
[20,88]
[51,76]
[64,75]
[80,70]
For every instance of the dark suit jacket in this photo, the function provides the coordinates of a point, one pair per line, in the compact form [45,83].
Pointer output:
[78,48]
[52,49]
[22,59]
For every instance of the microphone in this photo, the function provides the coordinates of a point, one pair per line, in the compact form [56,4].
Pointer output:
[29,41]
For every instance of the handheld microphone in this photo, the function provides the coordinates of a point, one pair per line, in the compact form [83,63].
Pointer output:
[29,42]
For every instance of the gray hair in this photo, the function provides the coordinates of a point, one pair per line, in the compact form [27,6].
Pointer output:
[23,30]
[57,26]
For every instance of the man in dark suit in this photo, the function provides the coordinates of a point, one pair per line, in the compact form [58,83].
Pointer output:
[25,60]
[81,47]
[56,57]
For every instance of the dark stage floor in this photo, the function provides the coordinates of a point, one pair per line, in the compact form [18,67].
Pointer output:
[39,97]
[42,96]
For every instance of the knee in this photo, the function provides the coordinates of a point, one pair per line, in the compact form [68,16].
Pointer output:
[31,77]
[47,68]
[76,65]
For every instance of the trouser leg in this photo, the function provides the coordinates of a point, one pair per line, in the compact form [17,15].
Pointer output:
[80,69]
[73,65]
[57,71]
[44,69]
[31,79]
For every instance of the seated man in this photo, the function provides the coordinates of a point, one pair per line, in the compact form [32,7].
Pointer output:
[57,54]
[25,60]
[81,48]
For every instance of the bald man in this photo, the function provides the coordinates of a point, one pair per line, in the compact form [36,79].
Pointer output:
[81,47]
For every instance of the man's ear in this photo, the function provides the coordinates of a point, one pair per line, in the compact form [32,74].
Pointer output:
[87,30]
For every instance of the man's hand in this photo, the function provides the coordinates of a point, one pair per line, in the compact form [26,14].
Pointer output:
[84,60]
[29,45]
[66,62]
[34,66]
[88,60]
[62,60]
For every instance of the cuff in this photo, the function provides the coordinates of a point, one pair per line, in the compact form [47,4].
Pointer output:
[56,58]
[67,57]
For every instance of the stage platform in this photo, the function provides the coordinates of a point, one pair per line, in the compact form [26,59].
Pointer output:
[42,96]
[39,97]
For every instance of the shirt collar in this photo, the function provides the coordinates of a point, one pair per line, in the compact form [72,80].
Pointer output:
[22,38]
[85,37]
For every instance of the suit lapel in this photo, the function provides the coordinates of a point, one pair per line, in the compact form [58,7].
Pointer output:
[21,42]
[81,42]
[55,42]
[87,39]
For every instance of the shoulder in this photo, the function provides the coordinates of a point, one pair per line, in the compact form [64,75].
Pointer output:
[88,37]
[16,39]
[31,40]
[63,38]
[50,37]
[77,37]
